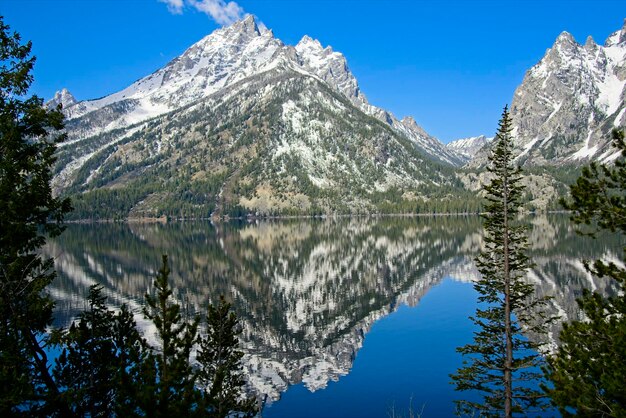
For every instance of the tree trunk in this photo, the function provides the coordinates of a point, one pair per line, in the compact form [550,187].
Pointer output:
[508,362]
[41,362]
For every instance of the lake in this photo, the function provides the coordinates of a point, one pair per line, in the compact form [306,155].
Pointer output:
[341,317]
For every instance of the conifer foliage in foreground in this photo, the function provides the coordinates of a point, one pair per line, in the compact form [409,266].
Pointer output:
[107,369]
[588,372]
[99,370]
[29,212]
[174,381]
[220,363]
[501,364]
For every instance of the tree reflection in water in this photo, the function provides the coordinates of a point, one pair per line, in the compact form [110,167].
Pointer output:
[307,291]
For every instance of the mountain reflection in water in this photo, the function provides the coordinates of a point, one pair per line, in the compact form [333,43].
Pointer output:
[307,291]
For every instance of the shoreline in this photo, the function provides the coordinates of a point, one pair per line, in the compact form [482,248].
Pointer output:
[220,219]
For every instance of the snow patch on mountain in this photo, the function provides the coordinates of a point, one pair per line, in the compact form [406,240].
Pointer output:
[468,147]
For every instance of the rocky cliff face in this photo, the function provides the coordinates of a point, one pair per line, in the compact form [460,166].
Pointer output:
[569,102]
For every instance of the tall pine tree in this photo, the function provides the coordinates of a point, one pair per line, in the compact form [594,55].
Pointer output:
[29,134]
[588,372]
[501,364]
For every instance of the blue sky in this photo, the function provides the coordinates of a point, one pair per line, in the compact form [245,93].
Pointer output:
[452,65]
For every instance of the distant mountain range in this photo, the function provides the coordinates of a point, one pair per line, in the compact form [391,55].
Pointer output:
[242,123]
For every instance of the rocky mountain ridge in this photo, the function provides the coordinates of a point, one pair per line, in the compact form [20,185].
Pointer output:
[569,102]
[241,123]
[220,60]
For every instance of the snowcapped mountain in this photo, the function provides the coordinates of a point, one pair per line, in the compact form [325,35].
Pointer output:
[331,67]
[226,56]
[241,121]
[220,60]
[468,147]
[567,104]
[63,98]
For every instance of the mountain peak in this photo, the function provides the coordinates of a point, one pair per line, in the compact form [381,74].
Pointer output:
[565,37]
[411,124]
[617,38]
[409,120]
[565,47]
[309,43]
[63,98]
[590,43]
[246,25]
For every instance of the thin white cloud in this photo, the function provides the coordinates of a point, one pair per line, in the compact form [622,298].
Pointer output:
[222,12]
[174,6]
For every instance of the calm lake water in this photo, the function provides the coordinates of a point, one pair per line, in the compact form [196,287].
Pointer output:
[341,317]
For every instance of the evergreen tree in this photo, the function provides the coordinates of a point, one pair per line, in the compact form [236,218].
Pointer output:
[99,368]
[588,371]
[173,391]
[28,213]
[220,365]
[501,364]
